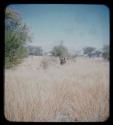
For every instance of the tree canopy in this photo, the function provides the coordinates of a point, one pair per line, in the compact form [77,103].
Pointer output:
[106,54]
[60,50]
[16,36]
[88,50]
[35,50]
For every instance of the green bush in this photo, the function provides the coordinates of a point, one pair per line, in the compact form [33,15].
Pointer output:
[16,36]
[59,51]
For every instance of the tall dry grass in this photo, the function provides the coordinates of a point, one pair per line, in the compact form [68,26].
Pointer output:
[76,91]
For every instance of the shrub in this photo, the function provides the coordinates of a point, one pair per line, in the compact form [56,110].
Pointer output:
[88,51]
[59,51]
[35,50]
[16,36]
[106,52]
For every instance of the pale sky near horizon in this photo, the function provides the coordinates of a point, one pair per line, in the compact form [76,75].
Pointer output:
[77,25]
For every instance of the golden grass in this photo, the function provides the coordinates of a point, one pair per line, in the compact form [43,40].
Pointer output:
[76,91]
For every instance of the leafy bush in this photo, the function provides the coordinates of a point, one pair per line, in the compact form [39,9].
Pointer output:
[35,50]
[106,52]
[88,51]
[59,51]
[16,36]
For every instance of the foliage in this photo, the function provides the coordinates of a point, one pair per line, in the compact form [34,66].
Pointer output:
[98,53]
[59,51]
[106,52]
[16,36]
[88,51]
[37,51]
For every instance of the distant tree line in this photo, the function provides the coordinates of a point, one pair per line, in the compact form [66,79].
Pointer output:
[35,50]
[62,51]
[17,36]
[106,52]
[89,51]
[93,52]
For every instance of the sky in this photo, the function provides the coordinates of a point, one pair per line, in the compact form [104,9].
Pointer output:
[77,25]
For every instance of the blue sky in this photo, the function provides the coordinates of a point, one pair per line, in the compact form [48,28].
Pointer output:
[77,25]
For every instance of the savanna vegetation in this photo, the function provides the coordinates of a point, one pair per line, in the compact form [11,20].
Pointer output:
[40,89]
[16,36]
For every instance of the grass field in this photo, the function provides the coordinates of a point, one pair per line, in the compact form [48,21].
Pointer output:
[40,89]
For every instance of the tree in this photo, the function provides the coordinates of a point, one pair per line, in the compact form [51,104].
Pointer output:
[35,50]
[39,51]
[98,53]
[60,50]
[106,52]
[88,51]
[16,36]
